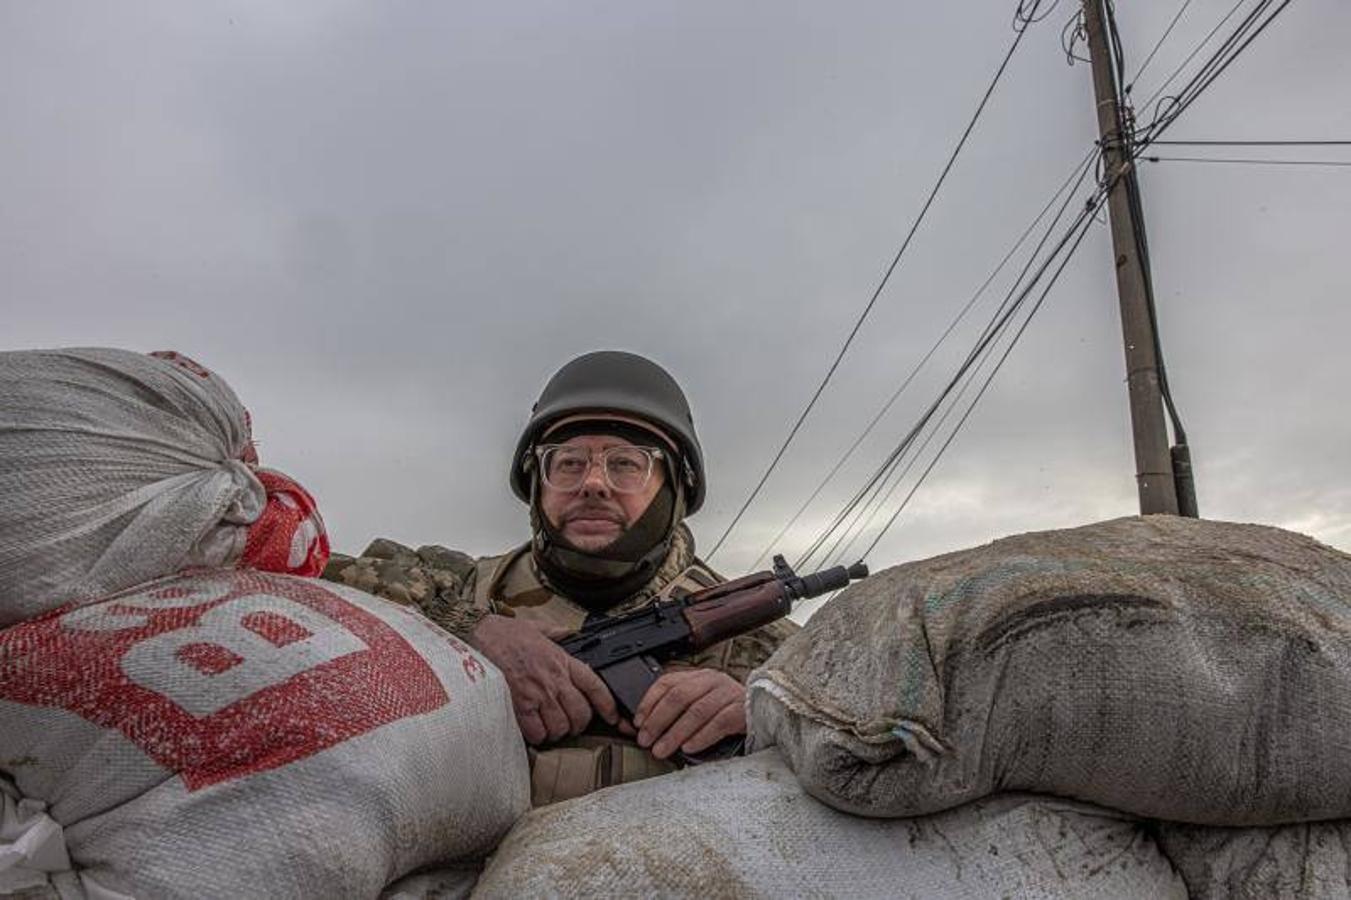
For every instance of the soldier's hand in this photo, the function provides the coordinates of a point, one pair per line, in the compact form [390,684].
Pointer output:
[552,694]
[690,710]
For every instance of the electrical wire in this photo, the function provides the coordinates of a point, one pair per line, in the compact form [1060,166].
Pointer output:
[1212,70]
[1073,32]
[1134,142]
[1252,143]
[1192,55]
[1083,232]
[1028,14]
[837,553]
[992,331]
[1233,46]
[1003,316]
[1159,43]
[1078,169]
[1114,42]
[1082,221]
[1253,162]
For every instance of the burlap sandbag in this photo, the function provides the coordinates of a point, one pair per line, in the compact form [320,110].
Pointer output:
[745,829]
[1180,669]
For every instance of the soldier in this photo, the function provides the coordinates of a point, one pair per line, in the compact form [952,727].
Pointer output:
[610,466]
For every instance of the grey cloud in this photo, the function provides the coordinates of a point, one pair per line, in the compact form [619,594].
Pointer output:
[387,226]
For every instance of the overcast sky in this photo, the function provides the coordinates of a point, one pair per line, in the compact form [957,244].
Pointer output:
[386,224]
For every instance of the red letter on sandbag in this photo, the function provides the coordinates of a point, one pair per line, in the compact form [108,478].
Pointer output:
[219,675]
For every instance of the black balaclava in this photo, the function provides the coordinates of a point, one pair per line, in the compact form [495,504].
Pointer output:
[598,579]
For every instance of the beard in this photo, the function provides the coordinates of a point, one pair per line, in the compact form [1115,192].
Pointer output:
[592,526]
[598,577]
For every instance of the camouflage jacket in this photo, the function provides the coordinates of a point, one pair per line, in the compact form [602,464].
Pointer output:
[456,591]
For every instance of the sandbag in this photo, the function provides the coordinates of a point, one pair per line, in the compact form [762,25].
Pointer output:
[1309,861]
[32,845]
[447,883]
[232,733]
[746,829]
[120,467]
[1179,669]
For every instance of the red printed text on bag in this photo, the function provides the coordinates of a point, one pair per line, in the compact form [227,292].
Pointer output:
[223,674]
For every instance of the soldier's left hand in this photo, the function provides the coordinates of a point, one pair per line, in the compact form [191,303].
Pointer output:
[690,710]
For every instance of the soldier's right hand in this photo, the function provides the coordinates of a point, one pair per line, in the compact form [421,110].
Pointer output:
[553,694]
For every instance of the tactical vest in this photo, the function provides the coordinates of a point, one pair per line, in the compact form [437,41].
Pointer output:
[599,757]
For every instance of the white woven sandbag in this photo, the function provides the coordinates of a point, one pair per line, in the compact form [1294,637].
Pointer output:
[746,829]
[115,468]
[234,733]
[32,846]
[1308,861]
[1178,669]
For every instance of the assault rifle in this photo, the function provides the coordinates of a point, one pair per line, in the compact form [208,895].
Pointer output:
[627,650]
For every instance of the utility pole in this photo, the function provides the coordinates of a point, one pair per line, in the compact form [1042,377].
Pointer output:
[1153,461]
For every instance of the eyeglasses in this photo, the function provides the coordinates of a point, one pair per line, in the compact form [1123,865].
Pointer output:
[627,469]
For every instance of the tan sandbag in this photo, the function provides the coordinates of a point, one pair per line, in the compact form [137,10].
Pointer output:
[1180,669]
[448,883]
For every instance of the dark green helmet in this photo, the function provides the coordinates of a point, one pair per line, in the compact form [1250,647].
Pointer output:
[612,381]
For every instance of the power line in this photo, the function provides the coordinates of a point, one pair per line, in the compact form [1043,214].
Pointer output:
[1232,47]
[1253,162]
[1135,143]
[1070,35]
[883,497]
[1192,55]
[980,291]
[1028,13]
[1002,317]
[1025,15]
[1150,58]
[1253,143]
[1083,229]
[992,331]
[1212,70]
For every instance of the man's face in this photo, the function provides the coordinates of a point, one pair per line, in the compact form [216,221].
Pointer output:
[594,516]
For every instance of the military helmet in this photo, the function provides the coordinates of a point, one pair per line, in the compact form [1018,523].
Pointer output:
[613,381]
